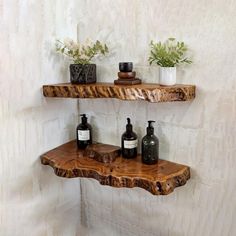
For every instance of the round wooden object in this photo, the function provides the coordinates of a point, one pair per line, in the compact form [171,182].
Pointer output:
[126,75]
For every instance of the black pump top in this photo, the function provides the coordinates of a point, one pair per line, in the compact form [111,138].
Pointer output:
[150,128]
[129,127]
[84,119]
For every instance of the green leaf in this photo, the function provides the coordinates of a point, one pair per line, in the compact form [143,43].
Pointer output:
[169,53]
[82,54]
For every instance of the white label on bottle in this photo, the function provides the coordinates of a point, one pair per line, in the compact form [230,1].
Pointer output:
[130,144]
[83,135]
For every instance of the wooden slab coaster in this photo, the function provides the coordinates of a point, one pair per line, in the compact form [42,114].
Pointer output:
[128,81]
[102,152]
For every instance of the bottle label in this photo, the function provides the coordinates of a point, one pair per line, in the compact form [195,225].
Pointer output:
[130,144]
[83,135]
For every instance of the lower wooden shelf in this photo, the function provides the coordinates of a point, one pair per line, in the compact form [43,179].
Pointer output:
[160,179]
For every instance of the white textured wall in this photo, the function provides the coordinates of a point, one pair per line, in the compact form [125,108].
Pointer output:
[33,201]
[200,134]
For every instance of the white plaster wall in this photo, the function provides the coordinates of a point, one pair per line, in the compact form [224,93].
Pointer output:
[33,201]
[200,133]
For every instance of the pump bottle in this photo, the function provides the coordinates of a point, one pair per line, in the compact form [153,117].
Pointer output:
[129,142]
[84,133]
[150,146]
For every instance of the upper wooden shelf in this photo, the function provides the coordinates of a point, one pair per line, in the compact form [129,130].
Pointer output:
[148,92]
[159,179]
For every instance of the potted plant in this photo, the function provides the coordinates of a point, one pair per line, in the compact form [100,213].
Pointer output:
[82,71]
[168,55]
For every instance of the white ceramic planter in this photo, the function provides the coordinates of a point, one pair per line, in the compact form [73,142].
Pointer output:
[167,76]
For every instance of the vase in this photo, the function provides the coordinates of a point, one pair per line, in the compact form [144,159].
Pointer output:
[167,76]
[83,74]
[126,66]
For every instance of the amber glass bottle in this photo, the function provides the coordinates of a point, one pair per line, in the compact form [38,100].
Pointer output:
[129,142]
[84,133]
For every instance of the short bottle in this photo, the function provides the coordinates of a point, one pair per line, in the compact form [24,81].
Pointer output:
[129,142]
[150,146]
[84,133]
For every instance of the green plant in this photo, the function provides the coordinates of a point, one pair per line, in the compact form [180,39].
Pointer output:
[168,54]
[81,53]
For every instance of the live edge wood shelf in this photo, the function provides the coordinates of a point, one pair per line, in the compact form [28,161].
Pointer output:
[148,92]
[160,179]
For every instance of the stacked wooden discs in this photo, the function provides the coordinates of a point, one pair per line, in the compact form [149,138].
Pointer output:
[126,76]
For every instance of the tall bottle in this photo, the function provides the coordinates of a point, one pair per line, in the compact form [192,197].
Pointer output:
[84,133]
[150,146]
[129,142]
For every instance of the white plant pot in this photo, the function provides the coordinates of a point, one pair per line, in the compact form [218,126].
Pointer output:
[167,76]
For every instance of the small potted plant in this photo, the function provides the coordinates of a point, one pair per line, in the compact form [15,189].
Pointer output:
[82,71]
[168,55]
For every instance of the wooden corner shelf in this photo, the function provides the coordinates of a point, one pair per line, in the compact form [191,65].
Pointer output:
[159,179]
[148,92]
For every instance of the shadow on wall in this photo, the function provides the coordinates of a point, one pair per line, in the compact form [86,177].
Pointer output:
[58,62]
[53,200]
[145,212]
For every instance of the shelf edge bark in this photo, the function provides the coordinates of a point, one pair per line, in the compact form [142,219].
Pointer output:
[149,92]
[159,179]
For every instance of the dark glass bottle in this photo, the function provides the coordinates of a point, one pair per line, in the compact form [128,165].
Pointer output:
[150,146]
[129,142]
[84,133]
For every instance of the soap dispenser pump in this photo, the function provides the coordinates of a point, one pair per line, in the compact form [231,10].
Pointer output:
[150,146]
[84,133]
[129,142]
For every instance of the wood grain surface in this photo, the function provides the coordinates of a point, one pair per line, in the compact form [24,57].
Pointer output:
[159,179]
[148,92]
[104,153]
